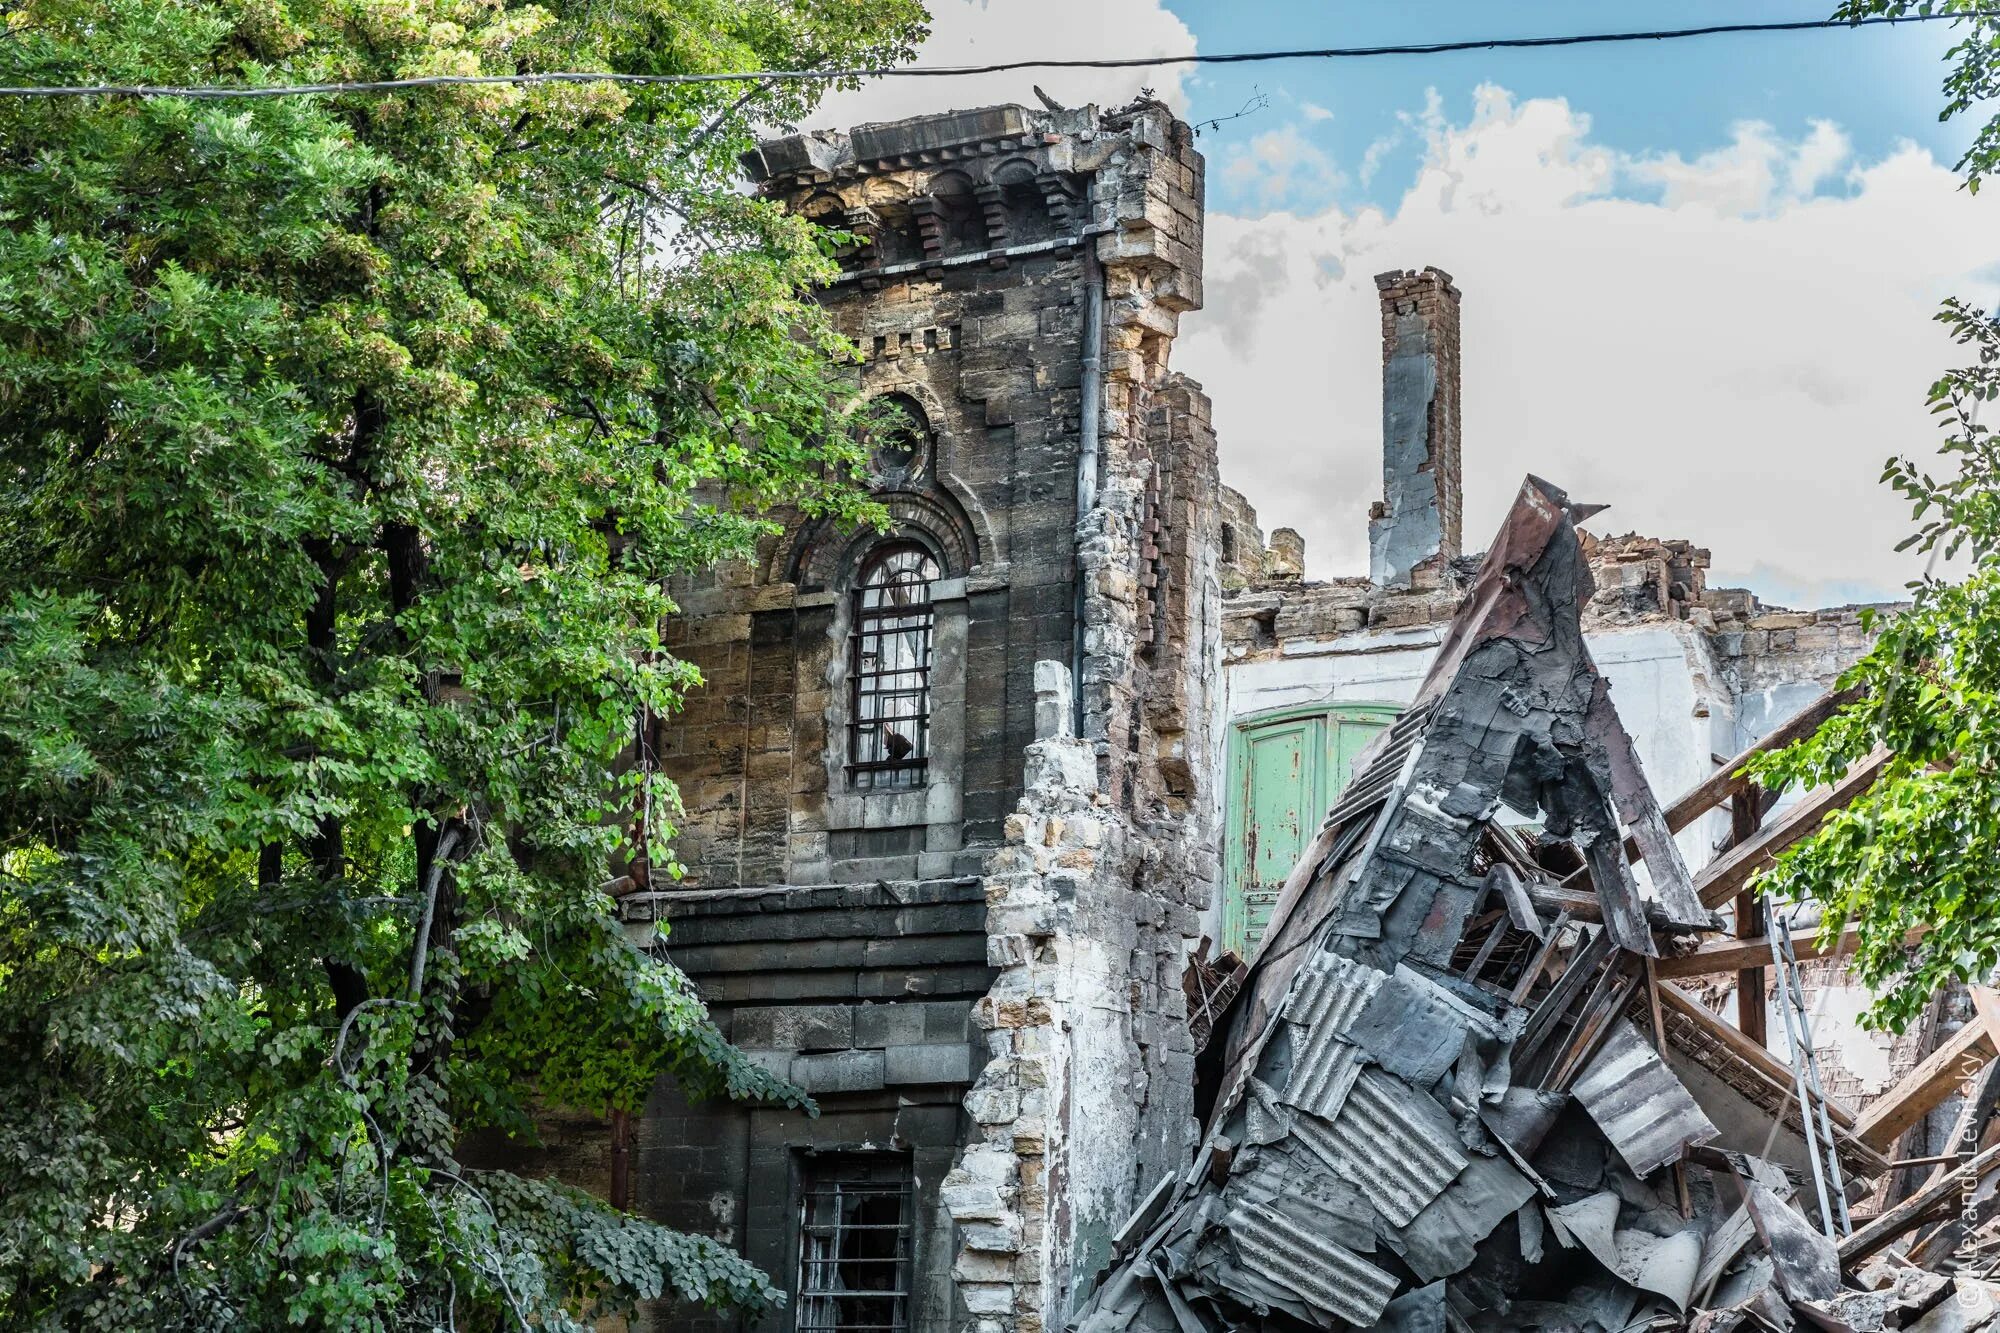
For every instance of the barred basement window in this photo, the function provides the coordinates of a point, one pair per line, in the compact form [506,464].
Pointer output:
[855,1244]
[890,731]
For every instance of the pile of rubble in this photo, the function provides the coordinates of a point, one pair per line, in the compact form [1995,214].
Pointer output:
[1459,1088]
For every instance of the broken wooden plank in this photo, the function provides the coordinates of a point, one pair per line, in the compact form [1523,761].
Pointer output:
[1938,1195]
[1657,1025]
[1581,971]
[1731,955]
[1726,874]
[1581,905]
[1539,964]
[1513,892]
[1724,783]
[1923,1088]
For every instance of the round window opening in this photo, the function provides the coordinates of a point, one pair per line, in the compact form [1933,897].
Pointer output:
[896,440]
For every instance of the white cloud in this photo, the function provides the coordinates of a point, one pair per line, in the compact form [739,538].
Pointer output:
[985,32]
[1314,111]
[1728,361]
[1757,172]
[1279,165]
[1378,152]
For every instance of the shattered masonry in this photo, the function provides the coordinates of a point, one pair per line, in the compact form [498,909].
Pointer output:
[1445,1096]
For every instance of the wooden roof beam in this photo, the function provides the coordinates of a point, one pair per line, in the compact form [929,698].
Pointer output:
[1724,783]
[1921,1090]
[1719,880]
[1727,955]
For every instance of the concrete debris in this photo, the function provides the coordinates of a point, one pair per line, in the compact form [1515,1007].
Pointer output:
[1444,1098]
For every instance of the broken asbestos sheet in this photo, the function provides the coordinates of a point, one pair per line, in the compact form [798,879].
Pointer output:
[1446,1094]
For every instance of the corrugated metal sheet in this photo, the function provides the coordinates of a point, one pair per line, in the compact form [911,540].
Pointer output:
[1323,1071]
[1325,1274]
[1377,767]
[1331,992]
[1645,1111]
[1399,1151]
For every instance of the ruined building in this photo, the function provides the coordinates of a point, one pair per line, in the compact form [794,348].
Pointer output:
[983,812]
[909,887]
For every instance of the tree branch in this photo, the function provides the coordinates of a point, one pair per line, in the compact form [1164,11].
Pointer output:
[421,952]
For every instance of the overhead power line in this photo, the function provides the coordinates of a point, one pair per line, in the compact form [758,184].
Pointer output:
[960,71]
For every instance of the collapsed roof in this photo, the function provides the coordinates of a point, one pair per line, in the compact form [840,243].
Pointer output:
[1454,1091]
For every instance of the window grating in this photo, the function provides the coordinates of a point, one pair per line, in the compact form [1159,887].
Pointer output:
[890,733]
[855,1245]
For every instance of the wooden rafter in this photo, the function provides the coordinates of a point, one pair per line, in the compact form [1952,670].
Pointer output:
[1769,1069]
[1729,955]
[1940,1196]
[1720,879]
[1724,783]
[1923,1088]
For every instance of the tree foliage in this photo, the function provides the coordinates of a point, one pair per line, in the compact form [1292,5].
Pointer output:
[1920,847]
[1972,68]
[347,444]
[1922,844]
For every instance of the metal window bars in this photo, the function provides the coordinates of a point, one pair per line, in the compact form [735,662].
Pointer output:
[890,727]
[855,1247]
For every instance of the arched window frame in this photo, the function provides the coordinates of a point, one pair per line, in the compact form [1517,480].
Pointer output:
[891,647]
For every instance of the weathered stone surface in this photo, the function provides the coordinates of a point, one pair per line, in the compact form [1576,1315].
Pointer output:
[940,1063]
[823,1027]
[845,1071]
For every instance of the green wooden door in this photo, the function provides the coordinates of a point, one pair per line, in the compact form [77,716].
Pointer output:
[1285,769]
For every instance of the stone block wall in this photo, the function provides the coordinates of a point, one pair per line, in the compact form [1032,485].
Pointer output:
[1084,1102]
[1012,1017]
[864,996]
[1765,646]
[967,301]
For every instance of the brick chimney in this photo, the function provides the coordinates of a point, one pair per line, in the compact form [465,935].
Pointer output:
[1413,531]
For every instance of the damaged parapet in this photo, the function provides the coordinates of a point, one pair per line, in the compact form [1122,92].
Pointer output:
[1452,1092]
[1413,531]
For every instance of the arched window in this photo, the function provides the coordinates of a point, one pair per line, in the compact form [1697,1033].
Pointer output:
[889,733]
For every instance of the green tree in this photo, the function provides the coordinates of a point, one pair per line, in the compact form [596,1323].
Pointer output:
[1922,846]
[347,445]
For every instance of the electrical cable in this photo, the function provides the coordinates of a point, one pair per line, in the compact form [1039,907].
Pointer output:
[216,91]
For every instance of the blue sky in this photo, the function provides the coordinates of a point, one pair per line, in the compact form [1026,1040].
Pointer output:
[1880,85]
[1699,275]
